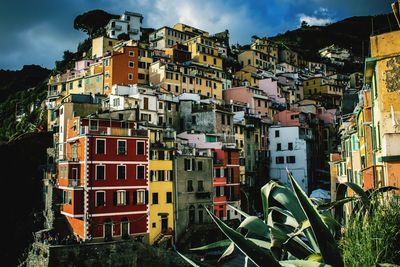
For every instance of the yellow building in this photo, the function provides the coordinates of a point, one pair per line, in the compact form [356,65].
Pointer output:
[382,77]
[204,51]
[197,78]
[257,59]
[102,45]
[161,193]
[248,76]
[239,139]
[145,59]
[189,29]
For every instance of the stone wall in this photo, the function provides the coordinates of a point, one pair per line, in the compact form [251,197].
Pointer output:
[117,253]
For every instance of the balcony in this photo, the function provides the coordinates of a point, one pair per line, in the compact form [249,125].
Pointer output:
[113,131]
[218,162]
[74,183]
[203,195]
[53,93]
[133,31]
[50,104]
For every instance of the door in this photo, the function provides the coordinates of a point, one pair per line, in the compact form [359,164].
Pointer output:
[164,224]
[107,231]
[125,229]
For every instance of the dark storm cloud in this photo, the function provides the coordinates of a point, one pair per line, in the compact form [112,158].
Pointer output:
[37,32]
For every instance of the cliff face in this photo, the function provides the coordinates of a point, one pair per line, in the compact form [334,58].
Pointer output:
[21,181]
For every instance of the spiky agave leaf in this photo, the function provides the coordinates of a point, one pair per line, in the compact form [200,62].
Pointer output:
[327,244]
[258,255]
[219,244]
[275,194]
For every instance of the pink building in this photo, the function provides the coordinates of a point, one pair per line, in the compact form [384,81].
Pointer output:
[254,98]
[291,118]
[271,89]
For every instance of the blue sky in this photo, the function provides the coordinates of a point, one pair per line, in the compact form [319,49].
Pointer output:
[38,31]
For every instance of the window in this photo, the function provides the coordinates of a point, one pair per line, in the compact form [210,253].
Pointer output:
[199,166]
[276,133]
[131,53]
[200,186]
[290,146]
[280,160]
[140,172]
[121,198]
[290,159]
[100,198]
[155,198]
[140,148]
[67,197]
[169,197]
[278,146]
[131,64]
[94,125]
[100,172]
[140,197]
[190,186]
[121,172]
[187,165]
[121,147]
[223,118]
[130,76]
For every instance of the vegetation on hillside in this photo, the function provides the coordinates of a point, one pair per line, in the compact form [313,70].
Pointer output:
[351,33]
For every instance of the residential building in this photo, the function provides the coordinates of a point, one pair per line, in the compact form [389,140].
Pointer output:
[204,51]
[161,189]
[129,23]
[102,46]
[103,179]
[165,37]
[193,189]
[335,54]
[290,147]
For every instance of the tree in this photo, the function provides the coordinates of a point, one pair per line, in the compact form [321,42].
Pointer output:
[304,24]
[92,21]
[123,36]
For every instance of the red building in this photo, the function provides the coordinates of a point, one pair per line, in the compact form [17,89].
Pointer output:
[103,178]
[226,182]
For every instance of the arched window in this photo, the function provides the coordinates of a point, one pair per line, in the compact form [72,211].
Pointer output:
[201,212]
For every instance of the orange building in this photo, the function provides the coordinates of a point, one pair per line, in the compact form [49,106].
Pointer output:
[121,67]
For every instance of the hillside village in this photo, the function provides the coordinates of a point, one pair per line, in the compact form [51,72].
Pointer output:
[151,128]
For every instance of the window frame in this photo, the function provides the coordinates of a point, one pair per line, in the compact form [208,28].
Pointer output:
[104,198]
[125,149]
[101,139]
[118,166]
[104,172]
[137,172]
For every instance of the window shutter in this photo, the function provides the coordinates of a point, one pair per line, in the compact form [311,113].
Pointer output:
[134,197]
[146,197]
[115,198]
[127,198]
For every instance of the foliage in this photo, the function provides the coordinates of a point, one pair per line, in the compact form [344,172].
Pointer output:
[373,236]
[297,231]
[123,36]
[93,21]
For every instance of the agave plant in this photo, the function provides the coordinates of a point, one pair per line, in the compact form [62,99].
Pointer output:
[296,230]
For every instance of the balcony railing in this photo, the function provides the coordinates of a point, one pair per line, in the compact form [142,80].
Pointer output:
[134,31]
[203,195]
[53,93]
[218,162]
[74,183]
[113,131]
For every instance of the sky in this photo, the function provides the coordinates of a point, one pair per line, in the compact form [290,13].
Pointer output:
[38,31]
